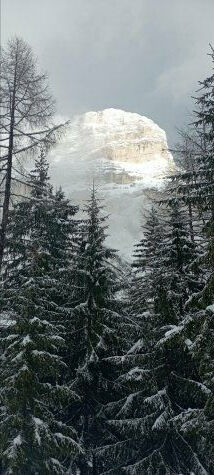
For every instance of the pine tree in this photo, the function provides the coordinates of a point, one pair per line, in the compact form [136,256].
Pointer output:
[64,232]
[145,264]
[182,260]
[203,352]
[34,438]
[194,186]
[97,331]
[166,258]
[159,378]
[195,189]
[204,180]
[52,215]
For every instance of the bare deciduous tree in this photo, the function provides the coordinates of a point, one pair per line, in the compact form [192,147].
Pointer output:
[26,117]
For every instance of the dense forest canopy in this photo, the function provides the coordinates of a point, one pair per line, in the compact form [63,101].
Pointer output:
[105,367]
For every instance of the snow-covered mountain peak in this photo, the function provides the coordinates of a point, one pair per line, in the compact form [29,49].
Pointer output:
[120,136]
[125,153]
[119,119]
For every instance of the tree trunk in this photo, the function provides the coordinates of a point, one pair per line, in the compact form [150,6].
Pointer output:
[191,222]
[7,193]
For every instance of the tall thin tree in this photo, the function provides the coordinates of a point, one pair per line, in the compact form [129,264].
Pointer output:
[26,114]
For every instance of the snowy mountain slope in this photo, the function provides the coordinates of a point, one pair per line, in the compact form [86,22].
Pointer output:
[126,154]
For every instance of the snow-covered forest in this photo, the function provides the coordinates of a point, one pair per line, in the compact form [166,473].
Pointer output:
[106,367]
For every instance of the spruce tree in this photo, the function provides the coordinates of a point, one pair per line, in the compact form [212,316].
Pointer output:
[54,217]
[33,393]
[159,378]
[194,186]
[97,331]
[195,189]
[33,439]
[145,264]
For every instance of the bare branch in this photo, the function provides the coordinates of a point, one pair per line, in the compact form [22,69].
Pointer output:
[24,99]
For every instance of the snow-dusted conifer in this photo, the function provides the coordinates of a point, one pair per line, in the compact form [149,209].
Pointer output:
[146,263]
[34,438]
[159,379]
[52,216]
[97,330]
[195,188]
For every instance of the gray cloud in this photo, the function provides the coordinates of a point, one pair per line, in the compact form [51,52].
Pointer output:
[144,56]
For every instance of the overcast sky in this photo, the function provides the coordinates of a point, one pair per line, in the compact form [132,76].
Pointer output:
[143,56]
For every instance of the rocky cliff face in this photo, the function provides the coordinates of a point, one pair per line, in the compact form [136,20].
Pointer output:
[126,154]
[124,136]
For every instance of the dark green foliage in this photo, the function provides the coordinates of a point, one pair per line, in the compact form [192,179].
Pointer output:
[102,378]
[159,378]
[97,330]
[34,438]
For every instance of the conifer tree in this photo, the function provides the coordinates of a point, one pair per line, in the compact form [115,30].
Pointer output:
[34,438]
[204,189]
[195,188]
[182,260]
[53,216]
[159,378]
[166,258]
[145,263]
[96,331]
[195,185]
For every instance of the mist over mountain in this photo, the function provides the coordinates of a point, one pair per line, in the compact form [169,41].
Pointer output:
[126,155]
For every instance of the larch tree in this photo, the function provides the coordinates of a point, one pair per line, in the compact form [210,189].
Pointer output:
[26,118]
